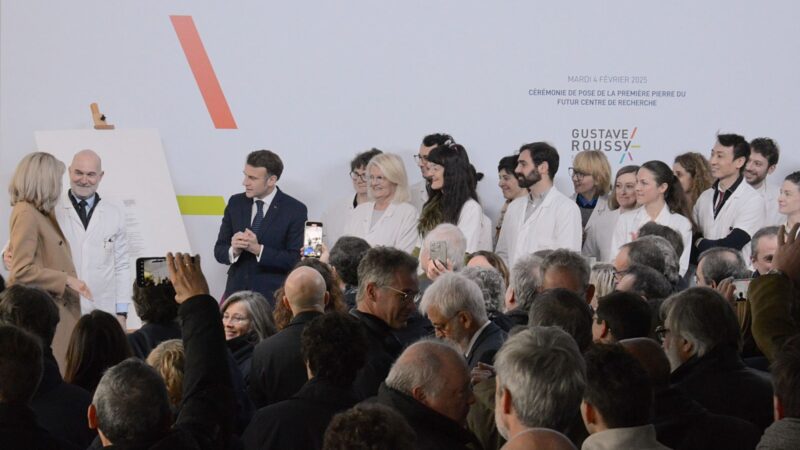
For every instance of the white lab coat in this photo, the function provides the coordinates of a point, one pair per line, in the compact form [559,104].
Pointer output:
[629,223]
[770,195]
[599,230]
[556,223]
[99,253]
[335,218]
[476,226]
[397,227]
[419,194]
[744,210]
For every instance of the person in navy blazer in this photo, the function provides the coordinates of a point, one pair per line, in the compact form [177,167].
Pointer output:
[262,229]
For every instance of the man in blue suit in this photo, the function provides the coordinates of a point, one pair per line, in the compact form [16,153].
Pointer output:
[262,229]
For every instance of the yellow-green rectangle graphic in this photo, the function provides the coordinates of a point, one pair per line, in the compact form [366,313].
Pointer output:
[201,205]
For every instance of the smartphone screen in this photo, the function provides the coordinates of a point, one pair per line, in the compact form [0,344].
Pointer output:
[439,251]
[740,286]
[312,240]
[151,271]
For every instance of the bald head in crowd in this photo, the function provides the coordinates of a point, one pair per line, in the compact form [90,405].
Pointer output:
[304,290]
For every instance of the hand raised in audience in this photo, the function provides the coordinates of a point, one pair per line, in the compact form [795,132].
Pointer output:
[481,372]
[186,276]
[436,268]
[728,290]
[787,256]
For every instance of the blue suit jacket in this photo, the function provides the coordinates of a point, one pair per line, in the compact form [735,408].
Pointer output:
[281,234]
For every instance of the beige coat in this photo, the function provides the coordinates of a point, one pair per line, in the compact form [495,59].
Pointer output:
[41,257]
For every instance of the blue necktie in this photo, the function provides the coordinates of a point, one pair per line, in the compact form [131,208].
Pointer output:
[259,216]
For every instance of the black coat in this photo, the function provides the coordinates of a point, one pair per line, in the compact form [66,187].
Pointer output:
[19,431]
[145,339]
[383,350]
[299,422]
[434,431]
[682,424]
[278,370]
[241,348]
[720,382]
[486,345]
[61,407]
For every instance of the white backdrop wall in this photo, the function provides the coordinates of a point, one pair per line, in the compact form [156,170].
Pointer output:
[318,82]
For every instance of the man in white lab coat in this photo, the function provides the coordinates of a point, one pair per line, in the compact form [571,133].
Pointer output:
[731,211]
[764,154]
[545,218]
[95,231]
[419,190]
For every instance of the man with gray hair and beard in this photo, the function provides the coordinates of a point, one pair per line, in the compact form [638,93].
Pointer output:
[454,305]
[540,381]
[429,386]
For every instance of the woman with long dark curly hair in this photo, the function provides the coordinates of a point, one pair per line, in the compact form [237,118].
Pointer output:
[454,198]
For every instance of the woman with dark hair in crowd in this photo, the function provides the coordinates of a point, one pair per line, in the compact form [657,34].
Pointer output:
[601,226]
[509,185]
[97,343]
[247,320]
[482,258]
[155,305]
[661,199]
[454,198]
[694,173]
[789,199]
[336,302]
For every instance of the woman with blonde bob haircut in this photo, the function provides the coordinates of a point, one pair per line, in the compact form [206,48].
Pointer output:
[591,176]
[388,219]
[168,359]
[39,253]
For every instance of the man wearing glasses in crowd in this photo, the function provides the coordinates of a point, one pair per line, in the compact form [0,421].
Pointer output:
[419,190]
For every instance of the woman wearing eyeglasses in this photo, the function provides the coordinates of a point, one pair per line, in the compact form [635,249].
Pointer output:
[454,198]
[603,221]
[388,218]
[247,320]
[335,218]
[661,199]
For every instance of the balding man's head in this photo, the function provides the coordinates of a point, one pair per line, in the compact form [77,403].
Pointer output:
[85,173]
[652,357]
[304,290]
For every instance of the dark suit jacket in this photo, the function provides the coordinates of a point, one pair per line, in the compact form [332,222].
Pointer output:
[145,339]
[19,431]
[60,407]
[281,234]
[486,346]
[277,369]
[383,350]
[299,422]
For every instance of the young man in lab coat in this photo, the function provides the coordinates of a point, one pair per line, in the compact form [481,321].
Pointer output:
[545,218]
[764,154]
[731,211]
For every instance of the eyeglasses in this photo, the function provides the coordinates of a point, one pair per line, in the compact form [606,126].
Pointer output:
[440,327]
[577,174]
[378,180]
[405,297]
[420,158]
[618,274]
[661,332]
[355,176]
[234,319]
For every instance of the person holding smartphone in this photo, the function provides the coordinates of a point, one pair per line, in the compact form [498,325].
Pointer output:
[388,218]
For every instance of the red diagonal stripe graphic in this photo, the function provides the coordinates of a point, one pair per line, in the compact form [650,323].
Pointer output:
[203,72]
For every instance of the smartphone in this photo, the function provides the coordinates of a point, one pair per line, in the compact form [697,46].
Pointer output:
[312,240]
[439,251]
[151,271]
[740,286]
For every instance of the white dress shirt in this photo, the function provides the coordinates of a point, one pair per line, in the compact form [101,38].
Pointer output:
[267,199]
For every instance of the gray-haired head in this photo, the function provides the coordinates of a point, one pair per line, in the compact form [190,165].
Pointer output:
[545,374]
[380,266]
[453,292]
[132,404]
[647,282]
[491,285]
[703,317]
[646,253]
[656,229]
[719,263]
[258,309]
[526,280]
[761,233]
[421,365]
[672,266]
[567,260]
[454,240]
